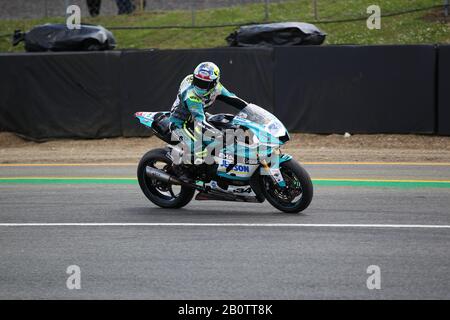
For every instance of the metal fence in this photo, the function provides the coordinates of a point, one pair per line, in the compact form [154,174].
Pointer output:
[27,9]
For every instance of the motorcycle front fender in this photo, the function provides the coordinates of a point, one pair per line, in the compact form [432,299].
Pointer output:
[285,157]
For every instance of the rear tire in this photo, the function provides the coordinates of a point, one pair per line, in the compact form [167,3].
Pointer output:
[152,188]
[289,169]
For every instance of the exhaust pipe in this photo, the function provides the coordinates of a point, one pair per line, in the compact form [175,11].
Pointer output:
[162,176]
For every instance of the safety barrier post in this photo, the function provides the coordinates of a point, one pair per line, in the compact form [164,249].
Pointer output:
[266,10]
[316,14]
[193,13]
[66,5]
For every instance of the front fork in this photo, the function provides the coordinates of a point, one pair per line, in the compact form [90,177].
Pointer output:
[274,171]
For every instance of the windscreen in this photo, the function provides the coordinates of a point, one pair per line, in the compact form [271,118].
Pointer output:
[263,118]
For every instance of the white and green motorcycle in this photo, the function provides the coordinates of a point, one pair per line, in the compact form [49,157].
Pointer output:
[283,181]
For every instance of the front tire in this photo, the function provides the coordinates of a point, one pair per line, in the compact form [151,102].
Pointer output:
[160,193]
[297,194]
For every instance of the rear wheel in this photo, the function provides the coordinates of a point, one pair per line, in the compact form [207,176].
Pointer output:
[297,194]
[160,193]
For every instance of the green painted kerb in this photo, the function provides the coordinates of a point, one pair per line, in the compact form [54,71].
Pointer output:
[320,182]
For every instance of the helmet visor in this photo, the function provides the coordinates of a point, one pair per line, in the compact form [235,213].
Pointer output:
[204,85]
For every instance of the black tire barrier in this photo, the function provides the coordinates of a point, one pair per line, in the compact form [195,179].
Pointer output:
[327,89]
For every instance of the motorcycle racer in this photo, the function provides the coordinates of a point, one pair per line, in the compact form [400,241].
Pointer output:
[197,92]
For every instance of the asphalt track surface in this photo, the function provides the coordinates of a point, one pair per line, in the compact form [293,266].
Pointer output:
[395,216]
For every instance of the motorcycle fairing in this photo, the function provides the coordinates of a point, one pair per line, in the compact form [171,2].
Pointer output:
[267,128]
[261,133]
[147,118]
[246,191]
[267,132]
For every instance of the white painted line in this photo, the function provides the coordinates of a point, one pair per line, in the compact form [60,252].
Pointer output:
[287,225]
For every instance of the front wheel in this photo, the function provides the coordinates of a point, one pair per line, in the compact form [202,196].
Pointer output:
[296,195]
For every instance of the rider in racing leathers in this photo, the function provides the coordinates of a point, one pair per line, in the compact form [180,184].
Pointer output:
[197,92]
